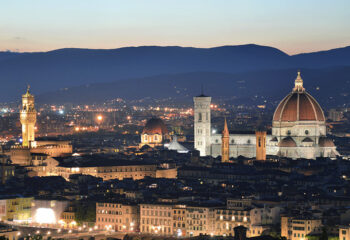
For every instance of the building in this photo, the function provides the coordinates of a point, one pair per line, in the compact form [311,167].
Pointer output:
[156,219]
[297,228]
[200,220]
[344,232]
[120,217]
[28,119]
[298,130]
[47,212]
[154,133]
[23,155]
[335,115]
[17,209]
[7,232]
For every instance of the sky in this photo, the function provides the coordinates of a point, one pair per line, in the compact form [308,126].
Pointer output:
[294,26]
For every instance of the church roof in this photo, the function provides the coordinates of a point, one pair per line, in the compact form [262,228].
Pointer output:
[325,142]
[175,145]
[287,142]
[298,106]
[155,126]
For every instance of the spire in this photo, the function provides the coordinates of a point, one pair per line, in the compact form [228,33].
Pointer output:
[225,132]
[298,87]
[27,94]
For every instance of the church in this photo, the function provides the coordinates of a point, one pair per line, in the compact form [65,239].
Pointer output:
[298,131]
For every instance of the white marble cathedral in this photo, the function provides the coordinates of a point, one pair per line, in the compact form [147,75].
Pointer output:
[298,130]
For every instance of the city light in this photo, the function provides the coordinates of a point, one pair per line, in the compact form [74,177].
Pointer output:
[45,216]
[99,118]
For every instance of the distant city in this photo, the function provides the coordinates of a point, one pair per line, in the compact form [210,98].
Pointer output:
[160,169]
[174,120]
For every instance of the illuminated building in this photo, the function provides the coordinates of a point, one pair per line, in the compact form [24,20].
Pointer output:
[156,219]
[47,212]
[297,228]
[154,133]
[344,232]
[202,124]
[260,145]
[7,232]
[28,119]
[16,209]
[22,155]
[298,130]
[68,218]
[180,220]
[117,216]
[225,141]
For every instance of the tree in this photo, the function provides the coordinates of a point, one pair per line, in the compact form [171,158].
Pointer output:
[85,212]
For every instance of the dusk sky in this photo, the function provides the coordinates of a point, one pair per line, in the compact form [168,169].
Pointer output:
[292,26]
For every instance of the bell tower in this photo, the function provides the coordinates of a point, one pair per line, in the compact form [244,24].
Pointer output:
[260,145]
[28,118]
[225,145]
[202,124]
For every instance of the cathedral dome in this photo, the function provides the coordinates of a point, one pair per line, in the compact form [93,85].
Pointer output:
[298,106]
[325,142]
[287,142]
[155,126]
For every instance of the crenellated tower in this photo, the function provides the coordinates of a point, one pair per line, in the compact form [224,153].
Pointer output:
[28,118]
[225,144]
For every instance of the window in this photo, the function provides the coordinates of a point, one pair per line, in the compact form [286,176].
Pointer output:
[288,132]
[199,117]
[306,132]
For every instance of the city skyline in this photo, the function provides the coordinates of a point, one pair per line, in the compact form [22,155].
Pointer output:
[293,27]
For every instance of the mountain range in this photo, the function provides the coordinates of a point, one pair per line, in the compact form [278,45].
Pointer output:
[244,71]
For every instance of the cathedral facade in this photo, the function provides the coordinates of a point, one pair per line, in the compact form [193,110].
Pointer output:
[298,131]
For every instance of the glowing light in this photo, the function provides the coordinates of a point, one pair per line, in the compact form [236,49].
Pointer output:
[61,111]
[45,216]
[99,118]
[179,232]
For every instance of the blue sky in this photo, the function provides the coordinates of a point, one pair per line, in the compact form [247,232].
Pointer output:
[293,26]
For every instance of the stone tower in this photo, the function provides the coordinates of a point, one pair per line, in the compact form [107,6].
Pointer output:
[225,145]
[28,118]
[202,125]
[260,145]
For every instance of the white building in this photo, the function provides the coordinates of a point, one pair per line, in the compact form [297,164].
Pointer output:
[298,129]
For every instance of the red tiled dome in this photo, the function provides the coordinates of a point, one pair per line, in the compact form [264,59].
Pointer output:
[155,126]
[298,106]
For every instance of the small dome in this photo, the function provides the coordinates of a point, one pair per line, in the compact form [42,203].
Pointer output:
[155,126]
[307,139]
[298,106]
[325,142]
[287,142]
[274,139]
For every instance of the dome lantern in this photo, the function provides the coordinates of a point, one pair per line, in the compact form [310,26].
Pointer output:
[298,84]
